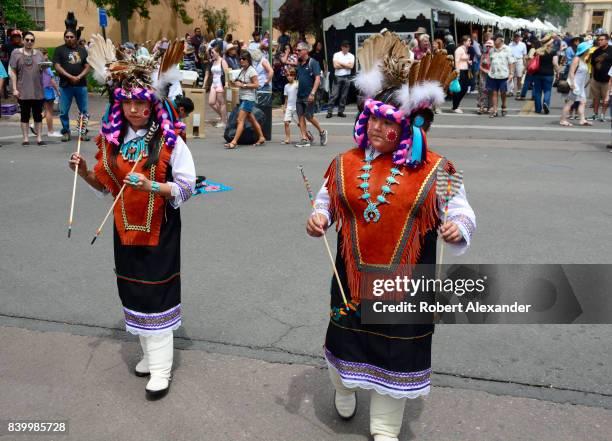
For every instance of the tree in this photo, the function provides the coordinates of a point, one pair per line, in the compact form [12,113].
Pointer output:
[555,9]
[122,11]
[16,15]
[216,19]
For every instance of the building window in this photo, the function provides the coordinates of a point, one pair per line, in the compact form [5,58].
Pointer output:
[258,18]
[597,20]
[36,9]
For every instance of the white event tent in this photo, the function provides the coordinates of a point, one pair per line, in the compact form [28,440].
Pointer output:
[375,11]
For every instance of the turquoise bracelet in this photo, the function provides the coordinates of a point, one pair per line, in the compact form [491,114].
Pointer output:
[155,187]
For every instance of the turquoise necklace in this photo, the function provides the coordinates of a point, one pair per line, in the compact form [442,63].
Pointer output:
[372,213]
[131,150]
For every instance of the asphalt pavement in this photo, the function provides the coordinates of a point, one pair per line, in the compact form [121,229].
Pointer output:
[255,293]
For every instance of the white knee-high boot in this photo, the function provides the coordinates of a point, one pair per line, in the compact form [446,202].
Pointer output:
[142,368]
[160,353]
[345,399]
[386,416]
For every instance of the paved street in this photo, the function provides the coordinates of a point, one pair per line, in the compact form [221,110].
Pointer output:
[255,294]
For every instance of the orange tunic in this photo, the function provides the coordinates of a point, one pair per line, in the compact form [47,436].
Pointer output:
[396,239]
[138,214]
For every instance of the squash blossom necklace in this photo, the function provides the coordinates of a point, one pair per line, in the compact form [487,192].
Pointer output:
[372,213]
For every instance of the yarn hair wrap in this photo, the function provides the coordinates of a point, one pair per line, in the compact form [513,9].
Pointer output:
[112,125]
[412,148]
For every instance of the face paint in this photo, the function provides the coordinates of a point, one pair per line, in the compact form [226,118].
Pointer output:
[146,113]
[391,135]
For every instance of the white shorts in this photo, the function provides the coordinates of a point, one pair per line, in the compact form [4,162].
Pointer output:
[519,68]
[289,114]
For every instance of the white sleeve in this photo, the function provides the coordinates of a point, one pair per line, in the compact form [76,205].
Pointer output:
[322,203]
[182,185]
[461,214]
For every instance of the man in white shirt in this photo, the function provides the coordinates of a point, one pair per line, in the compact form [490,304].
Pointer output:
[344,62]
[519,52]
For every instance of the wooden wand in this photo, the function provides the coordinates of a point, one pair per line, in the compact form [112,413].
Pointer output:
[76,170]
[110,210]
[329,253]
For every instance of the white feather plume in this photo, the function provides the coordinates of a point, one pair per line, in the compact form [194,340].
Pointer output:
[100,53]
[403,95]
[370,82]
[161,82]
[430,92]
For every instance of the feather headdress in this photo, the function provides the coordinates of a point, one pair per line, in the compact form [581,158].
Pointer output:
[135,78]
[113,68]
[388,77]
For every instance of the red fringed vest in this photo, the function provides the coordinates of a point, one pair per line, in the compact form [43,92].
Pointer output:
[396,239]
[138,214]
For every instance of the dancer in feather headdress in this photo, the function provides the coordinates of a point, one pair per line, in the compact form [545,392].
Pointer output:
[382,197]
[139,146]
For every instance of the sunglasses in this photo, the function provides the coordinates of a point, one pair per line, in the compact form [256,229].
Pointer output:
[29,40]
[290,75]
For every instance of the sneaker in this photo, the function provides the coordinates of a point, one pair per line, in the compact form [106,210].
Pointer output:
[220,125]
[438,111]
[66,137]
[323,136]
[457,110]
[341,114]
[602,118]
[329,115]
[546,109]
[54,134]
[303,143]
[593,117]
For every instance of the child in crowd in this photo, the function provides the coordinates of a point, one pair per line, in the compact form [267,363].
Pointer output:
[290,102]
[51,92]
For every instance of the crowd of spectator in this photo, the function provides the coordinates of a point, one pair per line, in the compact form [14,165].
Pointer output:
[298,76]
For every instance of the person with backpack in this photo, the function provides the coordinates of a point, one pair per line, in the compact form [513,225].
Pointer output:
[309,79]
[247,82]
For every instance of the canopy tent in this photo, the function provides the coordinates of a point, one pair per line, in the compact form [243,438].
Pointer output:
[538,25]
[375,11]
[551,27]
[509,23]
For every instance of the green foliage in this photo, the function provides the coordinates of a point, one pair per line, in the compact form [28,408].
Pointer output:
[114,8]
[216,19]
[526,9]
[16,15]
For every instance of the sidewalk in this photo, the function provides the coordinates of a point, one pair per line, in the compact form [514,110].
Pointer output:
[88,381]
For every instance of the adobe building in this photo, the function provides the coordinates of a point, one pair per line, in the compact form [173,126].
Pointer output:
[164,20]
[590,15]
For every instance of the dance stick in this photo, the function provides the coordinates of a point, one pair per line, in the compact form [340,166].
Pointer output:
[115,202]
[329,253]
[76,169]
[447,186]
[448,190]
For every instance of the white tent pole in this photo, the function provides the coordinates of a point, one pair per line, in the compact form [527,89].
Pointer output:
[431,24]
[325,50]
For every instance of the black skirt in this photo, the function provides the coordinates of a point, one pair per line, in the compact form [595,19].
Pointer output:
[149,279]
[394,360]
